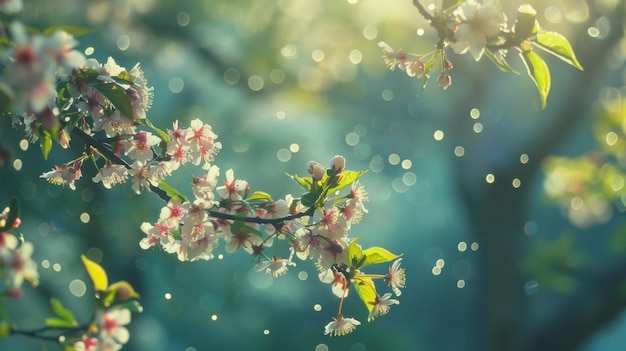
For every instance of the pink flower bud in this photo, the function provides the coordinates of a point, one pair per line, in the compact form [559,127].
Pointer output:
[444,81]
[15,293]
[337,164]
[316,170]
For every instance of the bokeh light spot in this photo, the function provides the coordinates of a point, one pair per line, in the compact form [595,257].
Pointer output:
[523,158]
[462,246]
[352,138]
[356,56]
[438,135]
[478,127]
[176,85]
[283,155]
[459,151]
[393,159]
[317,55]
[232,76]
[475,113]
[255,83]
[123,42]
[387,94]
[85,217]
[78,287]
[183,19]
[370,32]
[516,183]
[611,138]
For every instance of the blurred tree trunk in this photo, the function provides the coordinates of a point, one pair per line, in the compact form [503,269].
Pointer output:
[497,213]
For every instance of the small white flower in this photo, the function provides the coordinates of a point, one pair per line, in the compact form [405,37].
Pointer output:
[341,326]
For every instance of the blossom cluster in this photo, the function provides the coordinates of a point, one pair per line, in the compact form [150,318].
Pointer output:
[16,264]
[480,27]
[105,106]
[108,333]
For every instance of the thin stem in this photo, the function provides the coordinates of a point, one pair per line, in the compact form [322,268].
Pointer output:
[39,333]
[111,156]
[422,10]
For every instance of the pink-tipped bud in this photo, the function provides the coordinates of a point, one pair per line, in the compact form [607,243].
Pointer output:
[15,293]
[316,170]
[337,164]
[444,81]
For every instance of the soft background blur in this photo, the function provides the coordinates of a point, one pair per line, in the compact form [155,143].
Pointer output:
[456,180]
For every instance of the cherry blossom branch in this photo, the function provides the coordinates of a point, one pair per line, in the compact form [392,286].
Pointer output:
[274,221]
[39,333]
[111,156]
[422,10]
[90,141]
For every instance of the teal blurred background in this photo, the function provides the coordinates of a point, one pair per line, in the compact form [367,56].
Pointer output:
[491,265]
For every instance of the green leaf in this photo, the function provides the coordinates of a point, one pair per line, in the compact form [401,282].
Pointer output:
[74,30]
[119,292]
[428,65]
[6,95]
[132,305]
[45,142]
[367,292]
[162,134]
[63,98]
[54,322]
[556,44]
[172,192]
[62,312]
[500,62]
[449,4]
[376,254]
[97,274]
[117,97]
[309,199]
[526,22]
[355,255]
[539,73]
[305,182]
[259,196]
[345,178]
